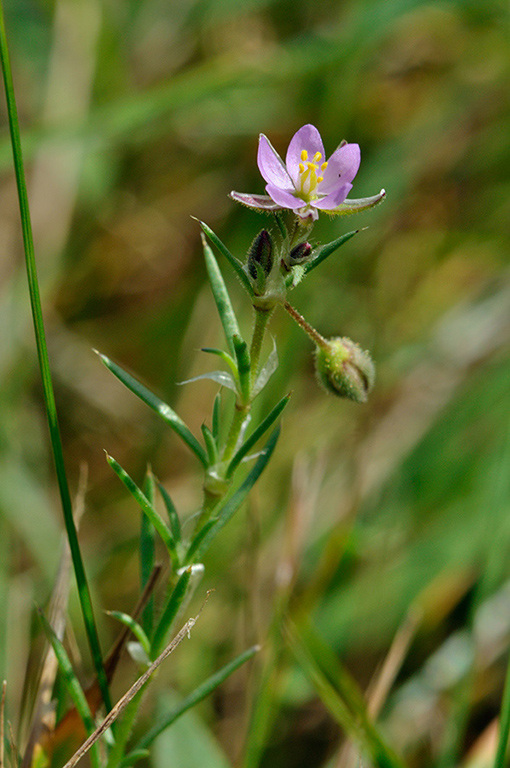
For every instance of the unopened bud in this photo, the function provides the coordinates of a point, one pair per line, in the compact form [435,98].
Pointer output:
[345,369]
[261,253]
[300,253]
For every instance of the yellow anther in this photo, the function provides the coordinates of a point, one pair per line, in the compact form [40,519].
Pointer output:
[316,157]
[319,179]
[304,155]
[301,168]
[324,166]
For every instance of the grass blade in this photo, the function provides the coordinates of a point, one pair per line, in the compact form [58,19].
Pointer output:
[194,698]
[161,408]
[72,684]
[44,365]
[339,693]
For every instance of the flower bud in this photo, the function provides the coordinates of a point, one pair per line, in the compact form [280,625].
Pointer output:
[261,253]
[300,253]
[344,369]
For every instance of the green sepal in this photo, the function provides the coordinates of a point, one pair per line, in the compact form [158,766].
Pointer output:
[326,250]
[159,406]
[234,263]
[227,511]
[281,225]
[256,435]
[146,507]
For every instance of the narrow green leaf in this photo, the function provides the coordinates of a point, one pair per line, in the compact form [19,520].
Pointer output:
[135,628]
[145,505]
[196,542]
[224,356]
[216,414]
[44,366]
[257,434]
[169,612]
[173,517]
[194,698]
[161,408]
[504,725]
[223,378]
[340,694]
[210,444]
[147,550]
[234,263]
[72,684]
[243,367]
[134,756]
[221,297]
[266,372]
[232,505]
[327,250]
[124,728]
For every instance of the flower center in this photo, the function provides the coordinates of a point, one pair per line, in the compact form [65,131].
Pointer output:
[310,175]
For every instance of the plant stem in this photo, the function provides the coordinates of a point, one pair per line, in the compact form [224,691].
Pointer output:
[42,352]
[300,320]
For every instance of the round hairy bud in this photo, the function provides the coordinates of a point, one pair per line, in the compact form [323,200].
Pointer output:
[345,369]
[261,254]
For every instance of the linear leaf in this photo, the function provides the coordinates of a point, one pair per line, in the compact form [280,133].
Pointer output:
[221,297]
[234,263]
[257,434]
[328,249]
[161,408]
[200,693]
[145,505]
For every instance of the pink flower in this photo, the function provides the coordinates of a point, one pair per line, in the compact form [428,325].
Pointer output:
[307,182]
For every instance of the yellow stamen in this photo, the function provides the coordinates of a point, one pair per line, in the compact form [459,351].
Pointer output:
[319,179]
[304,155]
[324,166]
[301,168]
[316,157]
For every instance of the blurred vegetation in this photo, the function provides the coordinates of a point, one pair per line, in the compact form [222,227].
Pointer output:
[137,115]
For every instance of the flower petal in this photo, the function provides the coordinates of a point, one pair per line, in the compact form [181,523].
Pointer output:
[271,165]
[261,202]
[342,167]
[283,198]
[308,138]
[334,199]
[355,206]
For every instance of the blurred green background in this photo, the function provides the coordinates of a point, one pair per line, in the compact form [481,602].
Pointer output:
[137,114]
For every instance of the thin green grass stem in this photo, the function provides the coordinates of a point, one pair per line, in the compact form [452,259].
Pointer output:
[42,353]
[504,724]
[240,414]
